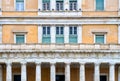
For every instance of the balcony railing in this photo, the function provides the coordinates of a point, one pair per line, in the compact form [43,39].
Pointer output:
[60,47]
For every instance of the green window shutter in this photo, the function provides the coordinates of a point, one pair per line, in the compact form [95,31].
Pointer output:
[99,39]
[45,1]
[19,0]
[20,39]
[99,4]
[73,0]
[73,39]
[59,40]
[46,40]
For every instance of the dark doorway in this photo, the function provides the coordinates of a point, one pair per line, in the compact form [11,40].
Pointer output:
[103,78]
[60,77]
[17,77]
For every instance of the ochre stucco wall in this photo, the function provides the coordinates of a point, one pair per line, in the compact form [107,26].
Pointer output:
[31,35]
[111,36]
[89,8]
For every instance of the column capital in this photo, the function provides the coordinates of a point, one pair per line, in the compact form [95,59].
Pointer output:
[82,63]
[23,63]
[38,63]
[97,63]
[67,63]
[112,63]
[52,63]
[8,63]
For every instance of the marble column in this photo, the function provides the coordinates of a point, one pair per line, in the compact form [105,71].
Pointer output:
[119,73]
[23,71]
[39,5]
[82,72]
[0,33]
[67,71]
[1,73]
[9,72]
[52,72]
[38,71]
[97,72]
[112,72]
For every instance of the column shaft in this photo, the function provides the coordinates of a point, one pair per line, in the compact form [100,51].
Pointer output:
[112,72]
[9,72]
[97,72]
[1,73]
[23,72]
[52,72]
[39,4]
[119,34]
[67,72]
[82,72]
[38,72]
[53,32]
[119,73]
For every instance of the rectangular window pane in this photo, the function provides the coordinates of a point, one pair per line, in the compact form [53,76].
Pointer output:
[19,5]
[59,5]
[99,4]
[57,30]
[103,78]
[44,30]
[99,39]
[62,30]
[46,39]
[46,4]
[59,40]
[72,39]
[48,30]
[20,39]
[73,5]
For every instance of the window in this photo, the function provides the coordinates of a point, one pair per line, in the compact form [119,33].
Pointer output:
[73,5]
[103,77]
[100,39]
[46,35]
[20,38]
[73,34]
[19,5]
[99,5]
[17,77]
[46,4]
[60,77]
[59,5]
[59,34]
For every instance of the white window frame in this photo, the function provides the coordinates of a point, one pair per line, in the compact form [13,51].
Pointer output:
[60,30]
[24,6]
[104,74]
[97,33]
[46,30]
[73,30]
[15,74]
[19,34]
[46,7]
[59,6]
[100,10]
[73,6]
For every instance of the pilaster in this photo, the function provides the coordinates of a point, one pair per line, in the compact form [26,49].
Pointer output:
[119,34]
[66,34]
[0,7]
[53,4]
[39,33]
[119,7]
[53,32]
[119,73]
[79,33]
[66,5]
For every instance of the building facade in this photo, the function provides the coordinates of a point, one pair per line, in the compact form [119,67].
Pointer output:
[60,40]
